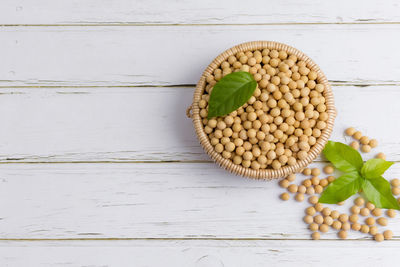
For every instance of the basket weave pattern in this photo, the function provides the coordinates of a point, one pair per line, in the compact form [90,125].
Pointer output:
[262,173]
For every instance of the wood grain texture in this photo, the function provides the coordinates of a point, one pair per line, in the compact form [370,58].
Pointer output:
[194,12]
[80,82]
[132,56]
[140,201]
[149,124]
[197,253]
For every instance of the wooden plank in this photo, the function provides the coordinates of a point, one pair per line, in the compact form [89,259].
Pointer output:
[165,200]
[193,12]
[149,124]
[197,253]
[131,56]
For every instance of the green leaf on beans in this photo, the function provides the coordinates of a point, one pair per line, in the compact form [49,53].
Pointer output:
[230,93]
[375,168]
[342,188]
[377,190]
[343,157]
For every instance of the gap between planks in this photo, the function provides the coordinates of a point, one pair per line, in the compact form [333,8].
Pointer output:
[369,239]
[133,24]
[332,83]
[128,162]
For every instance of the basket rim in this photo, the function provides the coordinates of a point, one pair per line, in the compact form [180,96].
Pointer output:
[262,173]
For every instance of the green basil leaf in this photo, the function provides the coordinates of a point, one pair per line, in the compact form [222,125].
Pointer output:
[342,188]
[377,191]
[375,167]
[230,93]
[343,157]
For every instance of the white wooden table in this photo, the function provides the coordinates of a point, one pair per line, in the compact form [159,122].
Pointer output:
[100,166]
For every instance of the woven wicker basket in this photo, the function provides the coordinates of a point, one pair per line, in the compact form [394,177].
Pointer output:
[194,110]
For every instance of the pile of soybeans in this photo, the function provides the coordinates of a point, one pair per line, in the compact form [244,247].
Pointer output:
[363,216]
[280,123]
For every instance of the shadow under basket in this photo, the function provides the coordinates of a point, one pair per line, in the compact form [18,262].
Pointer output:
[194,113]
